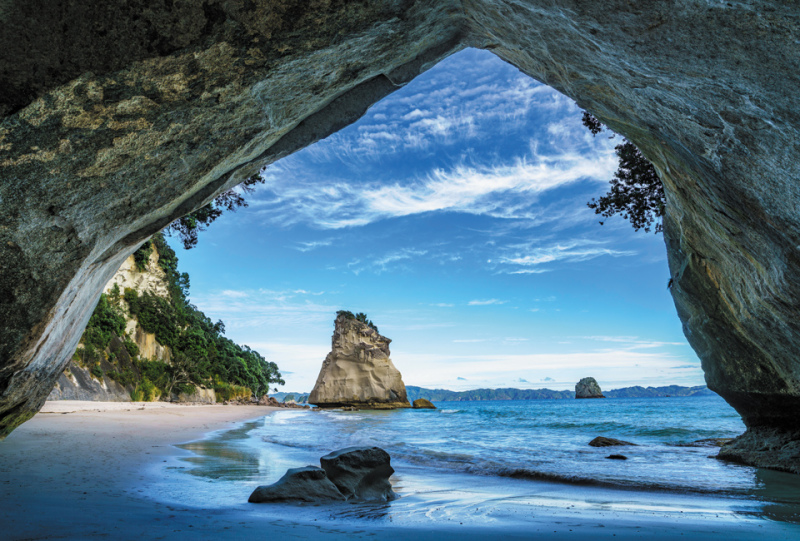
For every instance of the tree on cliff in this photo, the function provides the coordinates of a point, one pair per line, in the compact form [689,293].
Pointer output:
[187,227]
[636,192]
[361,316]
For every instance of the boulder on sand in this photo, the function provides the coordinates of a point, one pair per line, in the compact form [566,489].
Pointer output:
[308,484]
[588,388]
[423,403]
[360,473]
[602,441]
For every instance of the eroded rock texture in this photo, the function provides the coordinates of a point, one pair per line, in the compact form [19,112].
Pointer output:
[358,371]
[588,388]
[122,116]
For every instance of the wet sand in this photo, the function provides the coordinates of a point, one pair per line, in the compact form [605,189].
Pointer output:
[84,470]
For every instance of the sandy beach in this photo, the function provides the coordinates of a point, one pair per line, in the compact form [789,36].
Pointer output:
[83,470]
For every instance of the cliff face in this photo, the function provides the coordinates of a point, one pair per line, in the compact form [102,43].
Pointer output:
[121,118]
[358,371]
[152,279]
[79,382]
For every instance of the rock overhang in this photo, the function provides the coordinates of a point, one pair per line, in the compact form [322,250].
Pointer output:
[101,146]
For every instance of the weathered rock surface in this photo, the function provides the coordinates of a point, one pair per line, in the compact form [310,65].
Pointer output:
[423,403]
[77,382]
[588,388]
[707,442]
[201,395]
[360,473]
[358,371]
[120,118]
[602,441]
[766,447]
[307,484]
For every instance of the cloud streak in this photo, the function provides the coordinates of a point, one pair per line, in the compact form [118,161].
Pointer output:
[506,190]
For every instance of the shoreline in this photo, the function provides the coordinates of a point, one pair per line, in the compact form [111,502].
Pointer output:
[84,471]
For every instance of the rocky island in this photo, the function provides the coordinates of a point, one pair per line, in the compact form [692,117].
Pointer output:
[358,371]
[588,388]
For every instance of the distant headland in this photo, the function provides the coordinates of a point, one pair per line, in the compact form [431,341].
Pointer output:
[443,395]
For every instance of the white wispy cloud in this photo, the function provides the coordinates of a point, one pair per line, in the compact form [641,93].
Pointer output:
[485,302]
[527,258]
[633,342]
[233,294]
[265,308]
[307,246]
[504,190]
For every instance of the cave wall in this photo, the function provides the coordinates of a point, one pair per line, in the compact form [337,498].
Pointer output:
[102,145]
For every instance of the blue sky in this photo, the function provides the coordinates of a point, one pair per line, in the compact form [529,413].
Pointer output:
[454,214]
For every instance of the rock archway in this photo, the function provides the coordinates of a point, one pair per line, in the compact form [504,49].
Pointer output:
[119,117]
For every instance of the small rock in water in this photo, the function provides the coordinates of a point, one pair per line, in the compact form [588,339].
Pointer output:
[602,441]
[617,457]
[588,388]
[308,484]
[360,473]
[708,442]
[423,403]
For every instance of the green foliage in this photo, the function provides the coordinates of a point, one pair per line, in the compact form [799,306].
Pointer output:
[97,371]
[361,316]
[155,373]
[123,377]
[131,347]
[114,295]
[187,227]
[226,391]
[201,354]
[142,256]
[636,192]
[156,315]
[105,322]
[145,391]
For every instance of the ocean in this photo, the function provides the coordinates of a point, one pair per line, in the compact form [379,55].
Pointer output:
[463,455]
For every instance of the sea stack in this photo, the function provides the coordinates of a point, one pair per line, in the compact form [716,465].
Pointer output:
[358,371]
[588,388]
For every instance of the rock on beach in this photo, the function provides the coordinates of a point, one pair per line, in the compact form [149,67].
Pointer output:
[307,484]
[360,473]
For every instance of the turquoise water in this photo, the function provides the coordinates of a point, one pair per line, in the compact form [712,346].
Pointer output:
[539,439]
[503,451]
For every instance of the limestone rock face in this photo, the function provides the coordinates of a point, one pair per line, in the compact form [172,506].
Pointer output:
[588,388]
[358,371]
[360,473]
[122,117]
[307,484]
